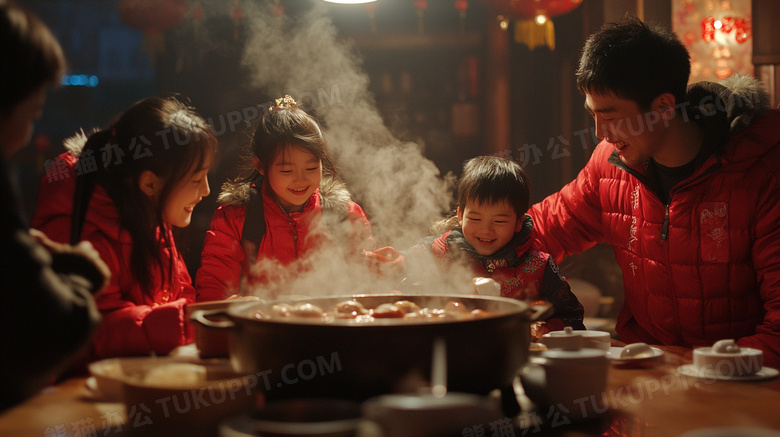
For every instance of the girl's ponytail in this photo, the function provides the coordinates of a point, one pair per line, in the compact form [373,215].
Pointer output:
[86,181]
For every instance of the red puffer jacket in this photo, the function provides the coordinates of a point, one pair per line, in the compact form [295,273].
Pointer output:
[287,237]
[705,266]
[135,322]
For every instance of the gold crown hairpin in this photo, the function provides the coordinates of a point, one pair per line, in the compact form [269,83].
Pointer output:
[285,102]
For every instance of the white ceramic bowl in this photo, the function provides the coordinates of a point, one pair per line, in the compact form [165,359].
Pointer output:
[726,359]
[110,373]
[190,400]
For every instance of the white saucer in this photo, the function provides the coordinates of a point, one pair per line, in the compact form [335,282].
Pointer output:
[761,375]
[613,354]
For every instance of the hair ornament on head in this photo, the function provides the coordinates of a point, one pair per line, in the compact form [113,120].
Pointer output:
[285,102]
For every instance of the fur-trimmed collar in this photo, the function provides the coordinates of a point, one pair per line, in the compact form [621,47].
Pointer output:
[333,193]
[742,98]
[76,142]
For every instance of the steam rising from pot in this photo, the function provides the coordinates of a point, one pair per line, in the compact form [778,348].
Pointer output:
[401,190]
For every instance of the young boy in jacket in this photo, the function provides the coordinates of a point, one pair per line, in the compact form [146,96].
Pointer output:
[684,187]
[489,236]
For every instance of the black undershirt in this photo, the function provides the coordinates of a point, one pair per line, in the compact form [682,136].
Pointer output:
[668,177]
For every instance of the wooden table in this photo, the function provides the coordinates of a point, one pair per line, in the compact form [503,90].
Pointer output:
[656,401]
[649,401]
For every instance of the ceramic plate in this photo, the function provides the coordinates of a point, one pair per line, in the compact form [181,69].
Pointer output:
[613,354]
[761,375]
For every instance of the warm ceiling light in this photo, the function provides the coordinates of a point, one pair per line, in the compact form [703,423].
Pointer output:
[350,2]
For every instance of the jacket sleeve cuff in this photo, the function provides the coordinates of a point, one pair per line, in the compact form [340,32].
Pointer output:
[166,328]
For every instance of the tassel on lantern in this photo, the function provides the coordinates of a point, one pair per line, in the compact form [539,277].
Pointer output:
[153,44]
[462,6]
[371,11]
[237,15]
[277,9]
[421,6]
[198,14]
[533,34]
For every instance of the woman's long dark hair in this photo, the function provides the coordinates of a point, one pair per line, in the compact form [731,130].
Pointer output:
[163,135]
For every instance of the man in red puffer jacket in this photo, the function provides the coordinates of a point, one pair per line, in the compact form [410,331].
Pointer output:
[684,186]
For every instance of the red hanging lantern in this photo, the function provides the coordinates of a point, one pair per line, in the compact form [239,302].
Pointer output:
[153,17]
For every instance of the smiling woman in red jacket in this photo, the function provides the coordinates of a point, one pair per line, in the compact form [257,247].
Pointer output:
[130,184]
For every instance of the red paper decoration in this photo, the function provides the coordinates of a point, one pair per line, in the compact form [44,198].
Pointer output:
[742,28]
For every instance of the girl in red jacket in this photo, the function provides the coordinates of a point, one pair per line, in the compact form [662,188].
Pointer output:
[129,185]
[272,217]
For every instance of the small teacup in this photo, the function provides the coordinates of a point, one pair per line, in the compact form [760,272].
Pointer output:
[573,382]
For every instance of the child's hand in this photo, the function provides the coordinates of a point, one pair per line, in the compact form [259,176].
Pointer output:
[538,329]
[386,259]
[385,255]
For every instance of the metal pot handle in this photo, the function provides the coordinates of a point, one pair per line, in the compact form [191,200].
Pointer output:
[201,317]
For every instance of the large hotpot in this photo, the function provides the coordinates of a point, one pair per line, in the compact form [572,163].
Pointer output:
[359,361]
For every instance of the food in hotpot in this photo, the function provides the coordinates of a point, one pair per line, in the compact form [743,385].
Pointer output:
[351,311]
